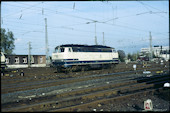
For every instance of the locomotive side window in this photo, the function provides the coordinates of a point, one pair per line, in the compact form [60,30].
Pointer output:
[75,49]
[106,50]
[90,49]
[69,49]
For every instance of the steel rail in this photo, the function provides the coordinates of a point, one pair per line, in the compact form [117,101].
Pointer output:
[136,86]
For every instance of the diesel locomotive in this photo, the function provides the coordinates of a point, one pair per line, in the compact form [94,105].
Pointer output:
[75,56]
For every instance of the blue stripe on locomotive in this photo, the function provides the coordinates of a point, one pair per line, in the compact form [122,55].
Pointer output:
[70,62]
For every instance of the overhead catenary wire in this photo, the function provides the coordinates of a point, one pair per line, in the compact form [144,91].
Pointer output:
[54,34]
[88,31]
[116,25]
[63,26]
[123,26]
[96,20]
[46,8]
[62,13]
[149,6]
[150,11]
[22,10]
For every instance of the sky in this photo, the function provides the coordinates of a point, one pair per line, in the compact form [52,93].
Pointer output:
[126,24]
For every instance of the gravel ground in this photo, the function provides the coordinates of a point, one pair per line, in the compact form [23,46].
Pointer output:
[160,102]
[19,95]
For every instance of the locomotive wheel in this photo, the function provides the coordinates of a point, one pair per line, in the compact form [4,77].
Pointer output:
[74,68]
[105,66]
[112,66]
[68,70]
[85,68]
[82,68]
[58,70]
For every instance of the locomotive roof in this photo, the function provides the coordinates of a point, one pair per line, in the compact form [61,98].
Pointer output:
[79,45]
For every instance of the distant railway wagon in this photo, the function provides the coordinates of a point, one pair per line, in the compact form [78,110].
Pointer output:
[3,64]
[75,56]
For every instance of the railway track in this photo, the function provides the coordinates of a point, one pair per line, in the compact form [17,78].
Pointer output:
[85,97]
[78,91]
[34,76]
[34,83]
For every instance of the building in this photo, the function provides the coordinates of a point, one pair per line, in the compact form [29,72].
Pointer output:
[158,51]
[21,61]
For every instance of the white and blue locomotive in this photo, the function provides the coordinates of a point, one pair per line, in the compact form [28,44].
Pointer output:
[76,56]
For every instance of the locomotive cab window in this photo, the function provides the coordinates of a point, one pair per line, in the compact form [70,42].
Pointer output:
[113,51]
[60,50]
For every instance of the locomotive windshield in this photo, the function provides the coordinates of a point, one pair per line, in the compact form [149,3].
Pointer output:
[59,50]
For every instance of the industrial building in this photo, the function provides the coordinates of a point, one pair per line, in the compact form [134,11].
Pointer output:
[21,61]
[158,51]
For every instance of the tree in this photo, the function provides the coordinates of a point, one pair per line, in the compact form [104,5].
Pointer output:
[7,41]
[129,56]
[121,55]
[134,57]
